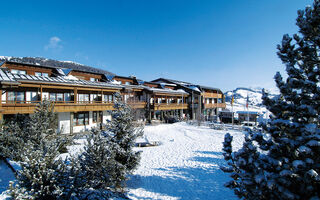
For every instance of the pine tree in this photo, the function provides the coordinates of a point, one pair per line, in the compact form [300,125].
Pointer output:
[31,130]
[35,140]
[285,162]
[121,134]
[42,174]
[98,163]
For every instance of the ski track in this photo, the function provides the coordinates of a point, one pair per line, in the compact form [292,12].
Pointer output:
[184,166]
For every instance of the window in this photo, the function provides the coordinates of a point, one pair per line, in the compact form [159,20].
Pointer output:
[32,96]
[94,79]
[83,98]
[128,83]
[15,97]
[108,98]
[95,97]
[96,116]
[56,97]
[41,74]
[15,71]
[67,97]
[81,118]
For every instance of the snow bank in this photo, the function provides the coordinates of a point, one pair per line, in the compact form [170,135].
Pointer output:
[185,166]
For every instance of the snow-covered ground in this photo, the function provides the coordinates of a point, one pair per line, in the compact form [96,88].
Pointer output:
[184,166]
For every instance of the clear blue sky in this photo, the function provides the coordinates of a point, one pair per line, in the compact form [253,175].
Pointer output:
[225,44]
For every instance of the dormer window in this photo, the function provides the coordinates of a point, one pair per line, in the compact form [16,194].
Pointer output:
[41,74]
[94,79]
[15,71]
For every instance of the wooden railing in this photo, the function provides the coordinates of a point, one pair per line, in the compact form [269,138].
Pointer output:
[172,106]
[137,104]
[215,105]
[212,95]
[14,107]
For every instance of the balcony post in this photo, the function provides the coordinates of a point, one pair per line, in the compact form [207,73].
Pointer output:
[75,94]
[41,93]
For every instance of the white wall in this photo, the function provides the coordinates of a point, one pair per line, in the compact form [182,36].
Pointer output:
[106,116]
[64,122]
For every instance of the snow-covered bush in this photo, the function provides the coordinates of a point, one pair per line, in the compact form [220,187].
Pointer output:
[284,163]
[121,134]
[42,175]
[31,131]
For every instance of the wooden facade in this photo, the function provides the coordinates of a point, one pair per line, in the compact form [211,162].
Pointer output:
[26,85]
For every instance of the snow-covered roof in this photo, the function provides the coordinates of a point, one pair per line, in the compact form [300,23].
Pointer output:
[193,87]
[70,80]
[6,77]
[166,90]
[55,64]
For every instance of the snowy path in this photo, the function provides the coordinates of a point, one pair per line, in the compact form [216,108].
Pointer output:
[185,166]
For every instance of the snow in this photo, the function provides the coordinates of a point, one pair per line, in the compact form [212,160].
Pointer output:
[6,175]
[184,166]
[70,77]
[195,88]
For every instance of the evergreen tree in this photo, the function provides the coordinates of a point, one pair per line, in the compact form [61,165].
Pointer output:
[42,174]
[285,162]
[31,131]
[98,163]
[121,134]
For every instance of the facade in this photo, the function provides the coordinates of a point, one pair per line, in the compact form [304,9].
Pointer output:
[203,102]
[84,98]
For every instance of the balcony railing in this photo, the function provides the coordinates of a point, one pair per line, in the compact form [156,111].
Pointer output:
[137,104]
[14,107]
[215,105]
[169,106]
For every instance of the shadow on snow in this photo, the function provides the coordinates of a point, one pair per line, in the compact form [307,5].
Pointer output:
[188,183]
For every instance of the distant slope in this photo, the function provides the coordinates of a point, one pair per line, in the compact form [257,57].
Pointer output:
[240,98]
[54,63]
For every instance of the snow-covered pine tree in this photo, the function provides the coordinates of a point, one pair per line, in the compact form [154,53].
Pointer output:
[98,163]
[285,162]
[31,130]
[11,142]
[121,134]
[42,174]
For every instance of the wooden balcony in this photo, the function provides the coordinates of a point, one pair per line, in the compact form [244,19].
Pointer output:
[172,106]
[215,105]
[29,107]
[137,105]
[211,95]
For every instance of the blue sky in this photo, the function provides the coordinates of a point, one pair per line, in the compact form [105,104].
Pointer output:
[225,44]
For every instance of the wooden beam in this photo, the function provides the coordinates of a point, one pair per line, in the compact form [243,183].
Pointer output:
[41,93]
[75,95]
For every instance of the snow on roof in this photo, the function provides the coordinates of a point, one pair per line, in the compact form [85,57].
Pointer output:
[166,90]
[70,77]
[70,80]
[193,87]
[4,77]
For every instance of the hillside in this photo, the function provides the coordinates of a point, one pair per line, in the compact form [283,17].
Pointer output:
[240,99]
[54,63]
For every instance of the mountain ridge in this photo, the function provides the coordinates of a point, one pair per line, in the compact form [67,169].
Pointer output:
[55,64]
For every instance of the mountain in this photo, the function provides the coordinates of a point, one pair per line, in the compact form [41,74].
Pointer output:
[240,98]
[54,63]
